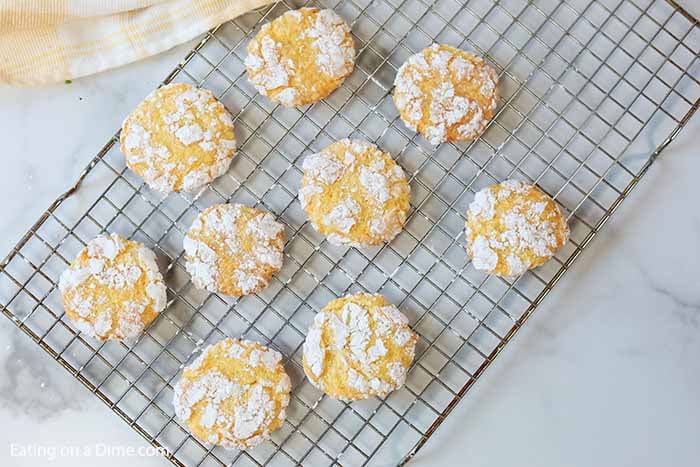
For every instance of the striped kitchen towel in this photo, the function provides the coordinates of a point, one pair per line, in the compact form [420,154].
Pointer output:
[45,41]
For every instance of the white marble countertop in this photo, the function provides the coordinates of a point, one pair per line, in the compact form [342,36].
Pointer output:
[605,373]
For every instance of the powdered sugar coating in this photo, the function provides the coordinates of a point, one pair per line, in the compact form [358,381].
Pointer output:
[446,94]
[359,346]
[301,57]
[354,193]
[512,227]
[234,249]
[113,288]
[179,138]
[234,394]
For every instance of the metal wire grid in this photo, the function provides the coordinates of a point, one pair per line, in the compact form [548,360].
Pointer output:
[591,92]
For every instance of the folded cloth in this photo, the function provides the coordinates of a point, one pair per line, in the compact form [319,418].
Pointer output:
[45,41]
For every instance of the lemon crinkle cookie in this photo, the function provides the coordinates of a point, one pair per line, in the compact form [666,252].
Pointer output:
[179,138]
[234,394]
[113,289]
[301,57]
[512,227]
[359,346]
[354,194]
[446,94]
[234,249]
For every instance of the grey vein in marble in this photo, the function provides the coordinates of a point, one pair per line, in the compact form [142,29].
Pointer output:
[32,384]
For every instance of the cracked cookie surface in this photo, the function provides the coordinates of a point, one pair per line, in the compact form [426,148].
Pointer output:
[446,94]
[113,289]
[234,249]
[354,194]
[359,346]
[512,227]
[179,138]
[235,394]
[301,57]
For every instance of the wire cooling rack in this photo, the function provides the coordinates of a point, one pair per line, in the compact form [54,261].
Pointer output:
[591,93]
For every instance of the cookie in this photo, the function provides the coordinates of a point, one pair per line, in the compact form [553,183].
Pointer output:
[113,289]
[446,94]
[512,227]
[354,194]
[233,249]
[234,394]
[179,138]
[301,57]
[359,346]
